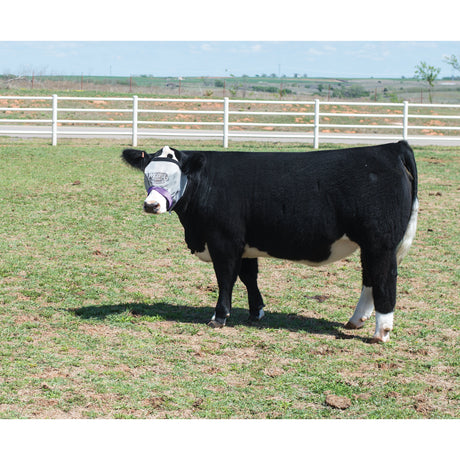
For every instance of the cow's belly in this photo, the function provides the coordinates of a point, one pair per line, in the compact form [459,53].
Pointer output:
[340,249]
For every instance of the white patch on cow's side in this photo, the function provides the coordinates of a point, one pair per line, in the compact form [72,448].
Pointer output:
[363,310]
[406,242]
[204,256]
[253,253]
[383,326]
[167,151]
[340,249]
[155,197]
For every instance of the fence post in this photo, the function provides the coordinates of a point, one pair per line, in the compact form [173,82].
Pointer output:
[405,119]
[316,125]
[54,119]
[226,108]
[134,129]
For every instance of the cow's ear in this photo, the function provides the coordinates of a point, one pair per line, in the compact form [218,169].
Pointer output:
[136,158]
[193,162]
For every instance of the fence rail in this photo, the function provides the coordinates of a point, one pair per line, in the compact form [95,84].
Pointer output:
[227,119]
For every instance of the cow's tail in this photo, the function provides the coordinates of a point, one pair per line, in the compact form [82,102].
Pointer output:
[408,162]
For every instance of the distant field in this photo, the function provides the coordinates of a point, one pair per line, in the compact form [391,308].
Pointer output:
[262,87]
[103,309]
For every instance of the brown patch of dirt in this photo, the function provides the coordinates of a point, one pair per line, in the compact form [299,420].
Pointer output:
[319,298]
[338,402]
[98,330]
[156,291]
[364,396]
[273,371]
[241,356]
[155,402]
[422,405]
[324,350]
[26,318]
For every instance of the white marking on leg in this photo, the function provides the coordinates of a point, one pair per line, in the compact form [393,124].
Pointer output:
[406,242]
[363,310]
[383,326]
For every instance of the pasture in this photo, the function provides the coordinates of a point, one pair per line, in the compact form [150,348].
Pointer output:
[103,309]
[245,87]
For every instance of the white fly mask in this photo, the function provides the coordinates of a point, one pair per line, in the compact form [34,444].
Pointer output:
[164,176]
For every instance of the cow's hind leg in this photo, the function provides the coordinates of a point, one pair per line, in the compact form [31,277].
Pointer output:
[248,275]
[363,310]
[380,271]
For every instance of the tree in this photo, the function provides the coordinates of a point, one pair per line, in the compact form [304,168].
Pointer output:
[453,61]
[426,72]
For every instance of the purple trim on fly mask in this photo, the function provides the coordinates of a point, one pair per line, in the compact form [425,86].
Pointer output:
[164,193]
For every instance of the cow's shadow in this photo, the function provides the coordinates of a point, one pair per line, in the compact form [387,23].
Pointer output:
[201,315]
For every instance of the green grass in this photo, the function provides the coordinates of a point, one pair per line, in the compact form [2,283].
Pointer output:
[103,309]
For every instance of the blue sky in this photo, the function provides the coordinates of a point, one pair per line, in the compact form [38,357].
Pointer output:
[223,58]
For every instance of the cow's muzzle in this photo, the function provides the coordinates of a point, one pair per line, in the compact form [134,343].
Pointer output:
[152,207]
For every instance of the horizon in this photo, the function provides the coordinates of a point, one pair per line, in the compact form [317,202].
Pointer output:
[215,77]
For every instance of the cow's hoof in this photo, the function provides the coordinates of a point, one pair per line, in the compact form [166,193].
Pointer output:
[257,316]
[383,327]
[376,340]
[382,337]
[351,325]
[215,324]
[356,325]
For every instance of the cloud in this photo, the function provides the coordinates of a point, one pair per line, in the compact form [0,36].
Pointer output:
[321,50]
[243,48]
[314,52]
[206,47]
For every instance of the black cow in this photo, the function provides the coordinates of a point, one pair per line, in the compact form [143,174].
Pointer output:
[310,207]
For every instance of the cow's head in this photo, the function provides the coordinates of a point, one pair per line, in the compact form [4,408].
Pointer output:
[165,176]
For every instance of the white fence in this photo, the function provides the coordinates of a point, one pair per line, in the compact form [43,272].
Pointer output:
[226,119]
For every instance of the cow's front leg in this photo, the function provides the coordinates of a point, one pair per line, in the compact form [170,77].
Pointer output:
[248,275]
[226,266]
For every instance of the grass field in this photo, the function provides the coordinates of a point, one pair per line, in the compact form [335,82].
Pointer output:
[245,87]
[103,309]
